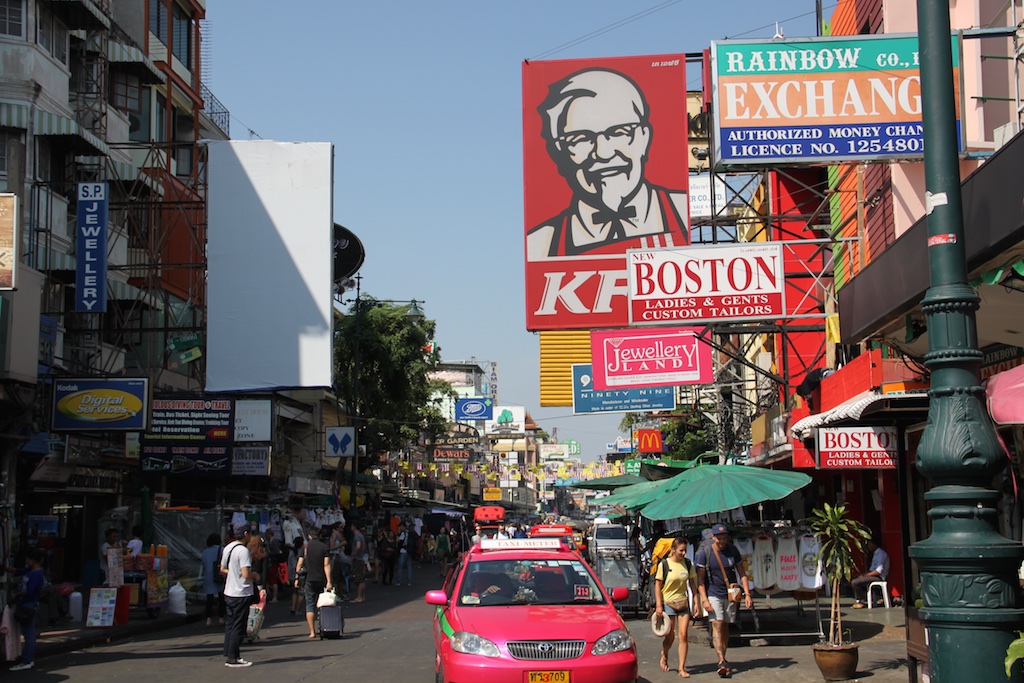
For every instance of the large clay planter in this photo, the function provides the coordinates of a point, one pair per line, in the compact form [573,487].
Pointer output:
[836,663]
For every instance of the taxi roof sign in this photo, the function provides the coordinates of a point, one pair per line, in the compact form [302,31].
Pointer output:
[520,544]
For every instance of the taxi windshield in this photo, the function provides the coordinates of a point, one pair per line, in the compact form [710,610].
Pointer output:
[528,582]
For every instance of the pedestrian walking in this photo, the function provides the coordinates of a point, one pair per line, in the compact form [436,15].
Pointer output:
[317,564]
[238,594]
[718,566]
[278,573]
[672,580]
[388,550]
[296,579]
[26,605]
[405,554]
[360,562]
[213,580]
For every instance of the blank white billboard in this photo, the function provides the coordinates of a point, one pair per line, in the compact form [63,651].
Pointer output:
[269,280]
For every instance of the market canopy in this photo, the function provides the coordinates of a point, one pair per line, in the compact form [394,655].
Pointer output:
[609,483]
[639,495]
[1005,393]
[717,488]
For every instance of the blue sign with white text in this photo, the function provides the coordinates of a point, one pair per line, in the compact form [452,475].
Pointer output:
[474,409]
[586,400]
[91,248]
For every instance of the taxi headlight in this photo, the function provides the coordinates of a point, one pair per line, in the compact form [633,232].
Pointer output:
[472,644]
[616,641]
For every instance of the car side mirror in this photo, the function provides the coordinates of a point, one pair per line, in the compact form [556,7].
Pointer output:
[440,598]
[620,594]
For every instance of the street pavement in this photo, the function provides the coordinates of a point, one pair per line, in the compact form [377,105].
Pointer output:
[389,638]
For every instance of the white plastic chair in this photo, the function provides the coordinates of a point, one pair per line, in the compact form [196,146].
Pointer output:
[883,587]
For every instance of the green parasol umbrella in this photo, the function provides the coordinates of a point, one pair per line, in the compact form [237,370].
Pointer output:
[609,483]
[716,488]
[638,495]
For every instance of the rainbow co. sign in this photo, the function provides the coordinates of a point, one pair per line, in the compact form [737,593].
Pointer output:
[820,99]
[90,404]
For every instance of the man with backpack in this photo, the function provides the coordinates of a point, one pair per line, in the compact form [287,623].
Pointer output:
[405,554]
[720,572]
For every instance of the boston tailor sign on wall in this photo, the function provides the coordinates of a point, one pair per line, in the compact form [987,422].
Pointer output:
[650,358]
[857,448]
[706,284]
[605,170]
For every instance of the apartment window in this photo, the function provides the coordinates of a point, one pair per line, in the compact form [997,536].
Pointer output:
[12,18]
[126,92]
[52,35]
[181,44]
[158,20]
[160,134]
[6,136]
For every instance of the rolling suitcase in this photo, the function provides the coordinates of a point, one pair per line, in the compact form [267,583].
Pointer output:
[332,622]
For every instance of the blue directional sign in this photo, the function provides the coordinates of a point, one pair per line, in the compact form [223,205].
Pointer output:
[586,400]
[474,409]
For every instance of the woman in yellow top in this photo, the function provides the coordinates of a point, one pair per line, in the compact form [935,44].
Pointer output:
[673,575]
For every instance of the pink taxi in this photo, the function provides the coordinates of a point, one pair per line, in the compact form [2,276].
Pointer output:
[529,611]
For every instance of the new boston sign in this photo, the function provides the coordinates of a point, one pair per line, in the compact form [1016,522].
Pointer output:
[857,448]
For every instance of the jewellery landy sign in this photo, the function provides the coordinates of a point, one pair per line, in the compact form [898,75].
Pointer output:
[650,358]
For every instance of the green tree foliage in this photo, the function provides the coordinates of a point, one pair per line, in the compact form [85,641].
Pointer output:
[393,353]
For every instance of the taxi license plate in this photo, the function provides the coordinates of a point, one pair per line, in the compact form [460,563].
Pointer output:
[548,677]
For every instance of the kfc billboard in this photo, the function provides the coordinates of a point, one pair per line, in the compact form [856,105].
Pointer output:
[707,284]
[650,358]
[605,162]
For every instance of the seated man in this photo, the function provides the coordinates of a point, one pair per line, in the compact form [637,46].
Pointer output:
[878,570]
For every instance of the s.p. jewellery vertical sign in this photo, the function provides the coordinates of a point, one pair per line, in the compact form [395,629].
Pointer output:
[91,248]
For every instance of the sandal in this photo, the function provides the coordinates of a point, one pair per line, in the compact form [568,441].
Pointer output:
[723,669]
[664,662]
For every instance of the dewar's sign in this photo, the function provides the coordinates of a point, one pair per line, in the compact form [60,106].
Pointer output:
[857,447]
[706,284]
[650,358]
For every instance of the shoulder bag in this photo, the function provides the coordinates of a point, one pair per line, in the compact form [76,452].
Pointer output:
[735,593]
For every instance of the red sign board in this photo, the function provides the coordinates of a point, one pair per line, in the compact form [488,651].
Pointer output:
[707,284]
[649,441]
[650,358]
[842,448]
[605,163]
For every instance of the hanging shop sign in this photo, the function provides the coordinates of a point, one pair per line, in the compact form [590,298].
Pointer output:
[251,461]
[861,447]
[649,441]
[253,420]
[706,284]
[474,409]
[508,422]
[586,399]
[91,404]
[459,435]
[91,248]
[829,99]
[8,240]
[650,358]
[189,436]
[448,454]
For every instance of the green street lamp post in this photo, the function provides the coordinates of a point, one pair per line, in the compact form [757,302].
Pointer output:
[968,569]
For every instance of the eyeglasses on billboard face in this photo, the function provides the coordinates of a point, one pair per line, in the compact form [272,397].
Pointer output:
[583,142]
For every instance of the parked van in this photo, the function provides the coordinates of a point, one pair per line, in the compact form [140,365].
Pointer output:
[609,539]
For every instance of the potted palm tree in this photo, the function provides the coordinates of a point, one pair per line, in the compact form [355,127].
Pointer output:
[839,539]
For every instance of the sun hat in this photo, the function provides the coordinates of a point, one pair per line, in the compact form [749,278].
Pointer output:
[660,625]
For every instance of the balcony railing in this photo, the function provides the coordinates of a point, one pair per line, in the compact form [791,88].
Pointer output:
[217,112]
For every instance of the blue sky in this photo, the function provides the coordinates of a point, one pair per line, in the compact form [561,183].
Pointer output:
[422,101]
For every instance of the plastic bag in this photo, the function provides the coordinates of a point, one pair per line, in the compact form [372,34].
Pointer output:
[327,599]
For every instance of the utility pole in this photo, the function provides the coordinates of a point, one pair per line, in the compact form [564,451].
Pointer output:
[968,569]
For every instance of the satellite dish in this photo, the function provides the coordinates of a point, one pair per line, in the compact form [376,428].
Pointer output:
[348,253]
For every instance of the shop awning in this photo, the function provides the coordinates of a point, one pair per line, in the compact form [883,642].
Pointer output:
[55,125]
[858,408]
[13,115]
[135,60]
[121,172]
[80,13]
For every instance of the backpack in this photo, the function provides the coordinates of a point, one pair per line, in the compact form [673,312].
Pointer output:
[686,562]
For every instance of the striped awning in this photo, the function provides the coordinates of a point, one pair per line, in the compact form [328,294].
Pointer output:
[13,115]
[50,124]
[131,56]
[120,172]
[82,13]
